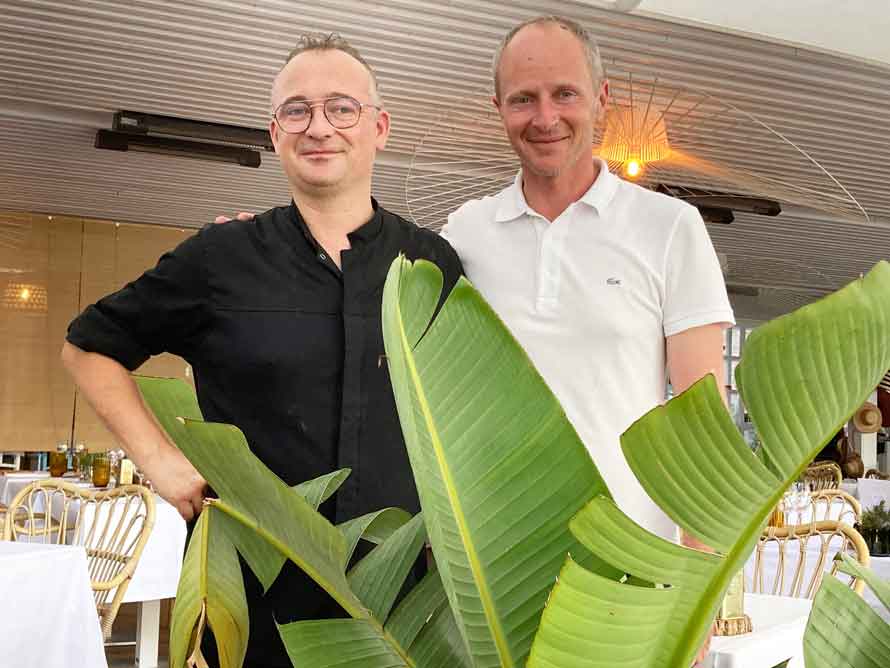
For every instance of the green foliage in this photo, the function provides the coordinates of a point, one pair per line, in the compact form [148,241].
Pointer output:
[513,503]
[875,518]
[460,386]
[843,631]
[267,522]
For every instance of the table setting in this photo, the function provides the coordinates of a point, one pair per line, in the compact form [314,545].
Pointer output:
[157,573]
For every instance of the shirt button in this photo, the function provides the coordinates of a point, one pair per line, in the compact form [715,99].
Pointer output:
[322,256]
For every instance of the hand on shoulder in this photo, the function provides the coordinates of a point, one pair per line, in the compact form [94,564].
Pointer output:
[242,215]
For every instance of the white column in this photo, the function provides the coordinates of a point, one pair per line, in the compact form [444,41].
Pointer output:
[866,444]
[148,626]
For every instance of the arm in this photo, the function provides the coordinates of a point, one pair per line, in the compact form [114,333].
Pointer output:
[690,355]
[165,309]
[113,394]
[695,352]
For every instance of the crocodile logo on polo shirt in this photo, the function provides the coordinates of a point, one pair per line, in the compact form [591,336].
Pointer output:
[613,281]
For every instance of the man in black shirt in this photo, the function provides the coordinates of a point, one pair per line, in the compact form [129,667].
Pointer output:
[280,320]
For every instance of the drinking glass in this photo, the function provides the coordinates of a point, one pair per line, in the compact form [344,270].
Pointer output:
[101,469]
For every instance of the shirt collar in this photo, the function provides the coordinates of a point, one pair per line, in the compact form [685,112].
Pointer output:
[365,233]
[371,229]
[598,196]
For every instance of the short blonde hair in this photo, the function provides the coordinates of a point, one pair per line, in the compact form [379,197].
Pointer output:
[591,50]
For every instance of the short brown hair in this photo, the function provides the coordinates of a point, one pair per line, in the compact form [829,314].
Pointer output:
[334,42]
[591,50]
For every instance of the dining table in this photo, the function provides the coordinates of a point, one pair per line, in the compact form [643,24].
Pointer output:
[778,624]
[48,616]
[157,574]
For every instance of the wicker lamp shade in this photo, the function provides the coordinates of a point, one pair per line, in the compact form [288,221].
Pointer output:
[634,134]
[25,297]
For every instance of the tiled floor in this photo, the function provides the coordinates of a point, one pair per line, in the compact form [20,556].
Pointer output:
[125,629]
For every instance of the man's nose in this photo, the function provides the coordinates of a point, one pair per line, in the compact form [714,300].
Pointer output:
[546,116]
[319,126]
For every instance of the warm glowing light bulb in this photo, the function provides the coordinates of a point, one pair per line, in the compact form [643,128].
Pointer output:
[25,294]
[632,168]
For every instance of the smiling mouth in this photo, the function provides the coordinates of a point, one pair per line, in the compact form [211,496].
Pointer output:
[318,154]
[547,140]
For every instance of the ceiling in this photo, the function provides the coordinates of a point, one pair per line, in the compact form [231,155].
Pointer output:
[66,66]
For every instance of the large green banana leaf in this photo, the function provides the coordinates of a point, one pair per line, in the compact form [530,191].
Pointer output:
[210,591]
[499,469]
[267,522]
[843,631]
[801,376]
[420,633]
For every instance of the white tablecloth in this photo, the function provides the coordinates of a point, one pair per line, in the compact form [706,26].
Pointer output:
[157,574]
[872,491]
[779,623]
[48,615]
[12,483]
[880,565]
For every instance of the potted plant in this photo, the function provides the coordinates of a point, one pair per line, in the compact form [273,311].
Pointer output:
[875,529]
[536,566]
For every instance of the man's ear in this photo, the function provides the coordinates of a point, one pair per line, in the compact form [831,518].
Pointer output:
[603,95]
[273,133]
[382,126]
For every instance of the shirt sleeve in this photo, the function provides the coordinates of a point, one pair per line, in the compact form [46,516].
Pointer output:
[451,266]
[695,293]
[164,310]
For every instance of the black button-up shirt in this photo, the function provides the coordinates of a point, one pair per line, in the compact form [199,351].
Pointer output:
[282,344]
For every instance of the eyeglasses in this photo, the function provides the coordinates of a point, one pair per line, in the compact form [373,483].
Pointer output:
[295,116]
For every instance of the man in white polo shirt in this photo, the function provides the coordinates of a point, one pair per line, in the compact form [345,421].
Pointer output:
[605,284]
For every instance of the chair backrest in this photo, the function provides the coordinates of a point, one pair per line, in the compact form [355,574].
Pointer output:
[874,473]
[826,504]
[112,525]
[792,561]
[824,475]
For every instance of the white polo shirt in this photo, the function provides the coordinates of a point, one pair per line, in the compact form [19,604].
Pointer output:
[591,297]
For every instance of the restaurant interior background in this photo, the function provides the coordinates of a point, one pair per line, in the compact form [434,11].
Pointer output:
[77,222]
[773,118]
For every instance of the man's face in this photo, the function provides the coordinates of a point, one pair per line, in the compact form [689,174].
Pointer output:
[324,158]
[547,100]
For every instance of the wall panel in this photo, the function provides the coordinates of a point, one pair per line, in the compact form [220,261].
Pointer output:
[51,267]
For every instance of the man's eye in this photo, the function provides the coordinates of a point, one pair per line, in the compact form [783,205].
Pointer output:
[295,112]
[520,100]
[567,95]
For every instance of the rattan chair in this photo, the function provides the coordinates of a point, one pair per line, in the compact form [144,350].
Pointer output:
[874,473]
[804,554]
[827,504]
[112,525]
[824,475]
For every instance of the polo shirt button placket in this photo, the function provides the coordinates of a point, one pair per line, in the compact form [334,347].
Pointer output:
[548,271]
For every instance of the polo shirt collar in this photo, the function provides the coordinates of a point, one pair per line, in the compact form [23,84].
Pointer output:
[598,196]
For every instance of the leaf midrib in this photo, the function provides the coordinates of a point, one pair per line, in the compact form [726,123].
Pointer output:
[485,596]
